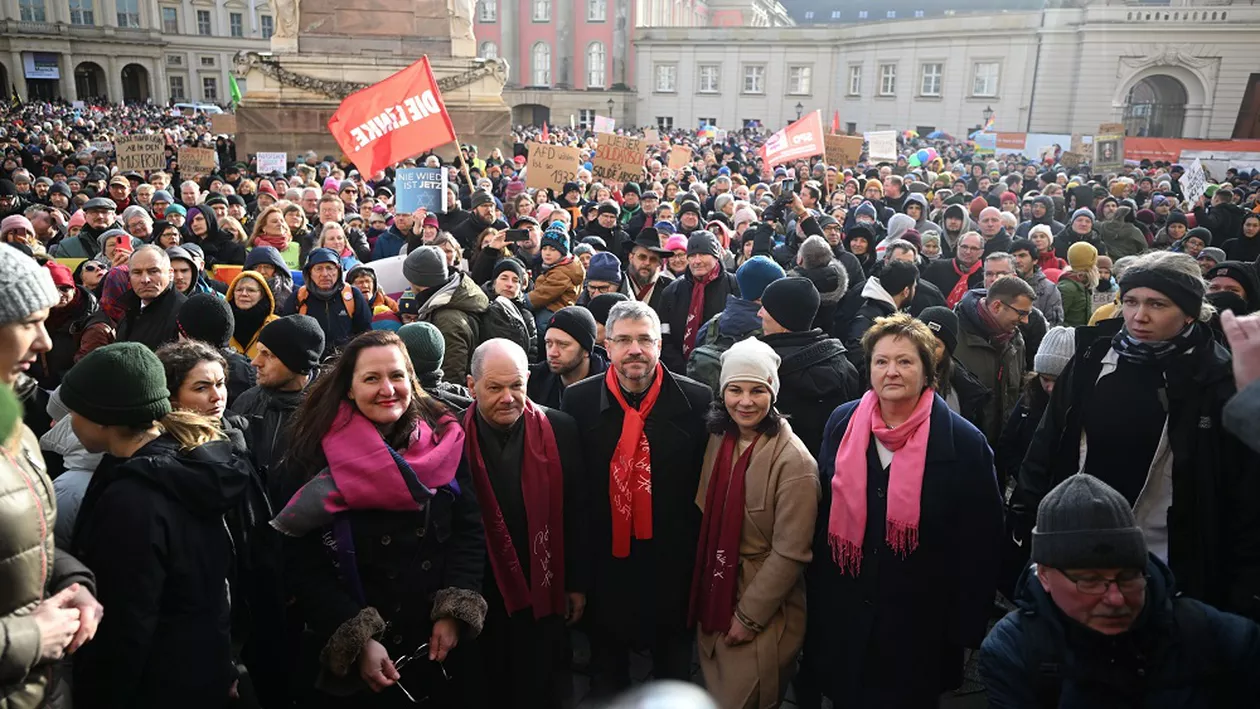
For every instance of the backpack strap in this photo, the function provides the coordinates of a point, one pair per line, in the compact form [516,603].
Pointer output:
[347,299]
[301,300]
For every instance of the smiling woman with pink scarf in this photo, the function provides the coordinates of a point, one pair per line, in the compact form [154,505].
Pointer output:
[906,550]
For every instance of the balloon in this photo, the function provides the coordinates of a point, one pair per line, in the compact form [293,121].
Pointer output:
[914,160]
[588,165]
[922,155]
[932,154]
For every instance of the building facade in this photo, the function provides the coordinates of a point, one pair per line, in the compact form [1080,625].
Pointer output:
[128,50]
[1188,68]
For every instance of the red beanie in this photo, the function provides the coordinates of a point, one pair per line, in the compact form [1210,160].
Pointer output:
[977,205]
[60,274]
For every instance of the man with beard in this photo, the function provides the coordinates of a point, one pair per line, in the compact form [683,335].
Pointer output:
[572,355]
[100,216]
[646,268]
[185,273]
[484,215]
[606,227]
[339,307]
[630,208]
[1042,213]
[954,223]
[152,305]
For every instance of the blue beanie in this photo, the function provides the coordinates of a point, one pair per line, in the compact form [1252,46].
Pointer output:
[867,209]
[556,237]
[1083,212]
[665,227]
[605,267]
[755,274]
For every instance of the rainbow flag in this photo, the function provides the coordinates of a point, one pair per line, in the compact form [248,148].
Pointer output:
[708,132]
[988,125]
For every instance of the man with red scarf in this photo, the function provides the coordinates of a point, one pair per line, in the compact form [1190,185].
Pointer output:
[526,469]
[954,277]
[690,301]
[643,436]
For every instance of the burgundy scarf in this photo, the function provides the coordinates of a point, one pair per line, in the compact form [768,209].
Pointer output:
[715,578]
[280,242]
[542,488]
[960,288]
[630,471]
[996,333]
[695,311]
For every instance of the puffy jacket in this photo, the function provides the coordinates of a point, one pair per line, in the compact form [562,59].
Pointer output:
[456,309]
[1121,236]
[832,283]
[558,285]
[510,319]
[338,324]
[1022,231]
[32,570]
[1077,301]
[267,411]
[1223,220]
[1049,301]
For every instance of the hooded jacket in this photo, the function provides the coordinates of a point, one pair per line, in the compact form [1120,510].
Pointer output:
[876,303]
[1022,231]
[152,529]
[949,240]
[281,284]
[832,283]
[1121,235]
[1065,238]
[1223,220]
[455,308]
[378,296]
[1049,300]
[815,378]
[329,309]
[923,225]
[249,347]
[219,246]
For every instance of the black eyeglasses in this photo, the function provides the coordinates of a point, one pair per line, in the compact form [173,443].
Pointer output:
[417,654]
[1023,314]
[1095,586]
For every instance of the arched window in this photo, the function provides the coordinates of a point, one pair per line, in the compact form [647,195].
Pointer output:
[542,64]
[595,60]
[488,50]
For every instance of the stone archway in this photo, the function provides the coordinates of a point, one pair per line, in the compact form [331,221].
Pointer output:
[135,83]
[89,81]
[1156,107]
[530,114]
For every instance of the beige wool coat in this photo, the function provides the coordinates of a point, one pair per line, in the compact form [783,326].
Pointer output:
[781,496]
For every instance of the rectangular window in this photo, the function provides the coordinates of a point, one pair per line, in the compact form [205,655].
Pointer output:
[710,121]
[596,10]
[892,14]
[268,25]
[170,20]
[835,14]
[542,10]
[666,78]
[855,80]
[209,88]
[809,14]
[487,10]
[665,122]
[177,87]
[81,12]
[128,13]
[710,75]
[174,60]
[930,85]
[586,117]
[887,79]
[850,128]
[236,23]
[799,80]
[918,13]
[754,79]
[207,61]
[862,14]
[986,79]
[203,23]
[32,11]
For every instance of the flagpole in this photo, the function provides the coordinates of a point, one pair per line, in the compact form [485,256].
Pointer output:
[463,163]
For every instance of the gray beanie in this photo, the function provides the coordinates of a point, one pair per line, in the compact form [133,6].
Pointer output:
[25,286]
[1085,524]
[1057,347]
[425,267]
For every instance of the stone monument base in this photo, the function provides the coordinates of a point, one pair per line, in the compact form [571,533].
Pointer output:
[291,97]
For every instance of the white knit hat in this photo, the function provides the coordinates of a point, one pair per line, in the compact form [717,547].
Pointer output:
[25,286]
[751,360]
[1057,347]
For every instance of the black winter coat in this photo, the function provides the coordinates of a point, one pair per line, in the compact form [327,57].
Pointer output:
[675,303]
[152,528]
[894,636]
[850,332]
[1223,220]
[1214,521]
[546,388]
[644,596]
[658,292]
[815,378]
[267,412]
[156,324]
[941,274]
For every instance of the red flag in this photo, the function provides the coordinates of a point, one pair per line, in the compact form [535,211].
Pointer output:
[393,120]
[802,139]
[835,123]
[546,134]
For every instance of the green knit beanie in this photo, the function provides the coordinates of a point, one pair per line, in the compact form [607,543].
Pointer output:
[425,345]
[122,384]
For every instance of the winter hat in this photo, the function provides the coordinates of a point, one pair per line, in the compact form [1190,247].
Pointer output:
[665,227]
[865,209]
[943,322]
[385,319]
[1083,212]
[595,242]
[1057,347]
[508,264]
[16,221]
[578,323]
[1201,233]
[120,384]
[1146,216]
[1085,524]
[1185,290]
[206,317]
[704,242]
[583,248]
[609,207]
[1176,217]
[296,340]
[1082,256]
[1213,253]
[1243,274]
[425,267]
[602,304]
[604,267]
[977,205]
[557,237]
[78,219]
[755,274]
[676,243]
[176,209]
[425,346]
[792,302]
[480,197]
[61,275]
[897,276]
[751,360]
[25,287]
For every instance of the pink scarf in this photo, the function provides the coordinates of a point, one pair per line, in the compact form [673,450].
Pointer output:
[846,525]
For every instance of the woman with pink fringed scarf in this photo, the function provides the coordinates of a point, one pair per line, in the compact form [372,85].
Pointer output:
[907,543]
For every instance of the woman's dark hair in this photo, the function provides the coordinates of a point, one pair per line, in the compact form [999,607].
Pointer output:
[179,358]
[323,400]
[718,421]
[1034,394]
[945,376]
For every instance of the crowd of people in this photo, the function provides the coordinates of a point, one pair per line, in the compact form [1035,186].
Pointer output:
[820,426]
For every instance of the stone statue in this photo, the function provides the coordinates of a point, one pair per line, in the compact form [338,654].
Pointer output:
[461,12]
[287,19]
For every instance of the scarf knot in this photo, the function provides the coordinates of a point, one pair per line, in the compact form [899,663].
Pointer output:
[960,288]
[630,470]
[1157,353]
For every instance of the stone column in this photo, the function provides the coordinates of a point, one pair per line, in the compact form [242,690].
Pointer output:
[69,91]
[18,75]
[562,54]
[113,79]
[510,49]
[620,44]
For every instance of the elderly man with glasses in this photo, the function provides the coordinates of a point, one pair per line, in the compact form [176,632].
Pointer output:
[991,347]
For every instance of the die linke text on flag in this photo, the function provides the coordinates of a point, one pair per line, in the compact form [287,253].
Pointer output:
[802,139]
[388,122]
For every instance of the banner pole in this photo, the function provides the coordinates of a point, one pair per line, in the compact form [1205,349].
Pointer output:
[463,164]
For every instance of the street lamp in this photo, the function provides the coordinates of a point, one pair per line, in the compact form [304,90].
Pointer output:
[799,108]
[611,105]
[988,113]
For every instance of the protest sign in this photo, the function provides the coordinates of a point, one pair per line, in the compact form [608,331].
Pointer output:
[883,145]
[550,166]
[1193,182]
[78,105]
[418,187]
[843,150]
[802,139]
[223,123]
[1109,147]
[140,152]
[272,162]
[651,136]
[679,156]
[604,124]
[1071,160]
[196,160]
[393,120]
[618,159]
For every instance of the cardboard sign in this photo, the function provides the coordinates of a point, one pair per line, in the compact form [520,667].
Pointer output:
[418,187]
[1194,182]
[140,152]
[618,159]
[883,145]
[1109,147]
[550,166]
[1071,160]
[272,162]
[196,160]
[843,150]
[651,136]
[78,105]
[604,124]
[1111,128]
[679,157]
[223,123]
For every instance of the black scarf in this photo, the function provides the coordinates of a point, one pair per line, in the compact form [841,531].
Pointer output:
[248,322]
[1159,353]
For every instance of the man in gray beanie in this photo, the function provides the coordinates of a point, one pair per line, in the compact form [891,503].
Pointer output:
[681,313]
[1100,623]
[449,299]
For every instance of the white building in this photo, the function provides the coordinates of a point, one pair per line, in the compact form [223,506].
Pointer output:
[128,49]
[1186,68]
